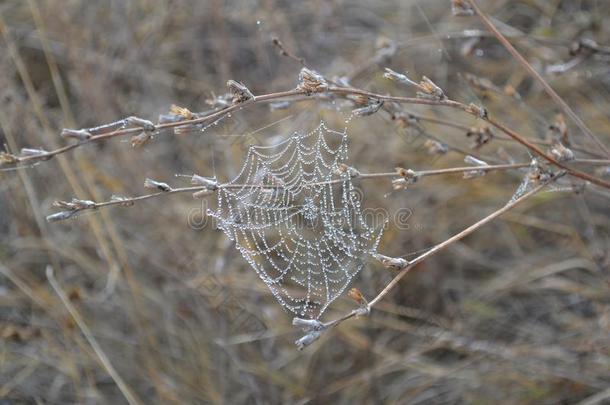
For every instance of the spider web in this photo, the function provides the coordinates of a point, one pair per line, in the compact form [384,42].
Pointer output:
[297,219]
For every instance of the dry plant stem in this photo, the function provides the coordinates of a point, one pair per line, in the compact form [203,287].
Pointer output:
[455,104]
[450,170]
[451,124]
[501,127]
[547,88]
[125,390]
[540,152]
[128,201]
[132,131]
[147,196]
[220,113]
[403,272]
[336,90]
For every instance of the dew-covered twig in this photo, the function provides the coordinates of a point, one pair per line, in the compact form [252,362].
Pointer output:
[534,73]
[204,186]
[314,333]
[310,83]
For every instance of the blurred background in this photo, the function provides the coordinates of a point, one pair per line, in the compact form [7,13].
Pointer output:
[518,312]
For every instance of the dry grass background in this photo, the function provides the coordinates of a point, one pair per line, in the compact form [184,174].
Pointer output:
[518,312]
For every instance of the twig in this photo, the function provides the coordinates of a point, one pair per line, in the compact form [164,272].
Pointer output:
[45,155]
[131,398]
[78,206]
[315,328]
[457,237]
[284,52]
[451,124]
[547,88]
[538,151]
[476,111]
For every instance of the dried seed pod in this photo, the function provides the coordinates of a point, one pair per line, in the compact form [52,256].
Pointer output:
[561,153]
[239,92]
[357,296]
[124,201]
[62,204]
[33,152]
[60,216]
[140,139]
[308,325]
[156,185]
[368,110]
[479,111]
[398,77]
[75,205]
[79,134]
[146,125]
[394,263]
[430,90]
[182,112]
[308,339]
[409,175]
[313,329]
[82,204]
[538,173]
[311,81]
[359,100]
[177,114]
[399,184]
[208,182]
[342,168]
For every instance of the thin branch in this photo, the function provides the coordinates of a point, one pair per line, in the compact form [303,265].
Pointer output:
[458,237]
[482,114]
[547,88]
[451,124]
[540,152]
[209,118]
[474,110]
[315,328]
[414,175]
[78,206]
